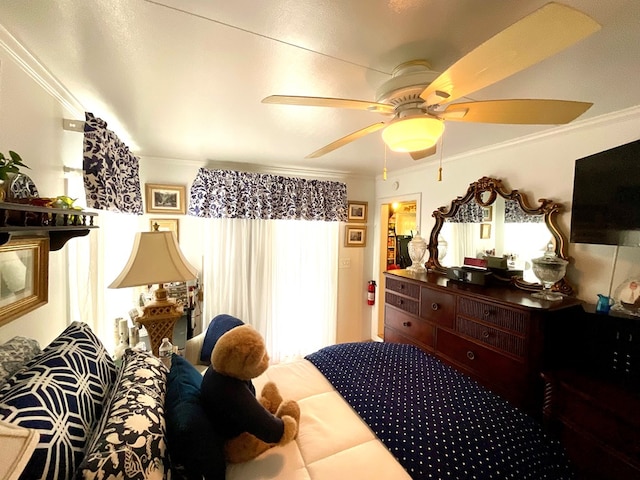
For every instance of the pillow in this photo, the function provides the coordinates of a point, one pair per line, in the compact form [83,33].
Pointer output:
[220,325]
[60,394]
[196,450]
[130,438]
[14,354]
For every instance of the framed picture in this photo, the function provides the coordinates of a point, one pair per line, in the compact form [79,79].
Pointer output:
[357,212]
[355,236]
[165,225]
[485,231]
[24,276]
[487,213]
[165,198]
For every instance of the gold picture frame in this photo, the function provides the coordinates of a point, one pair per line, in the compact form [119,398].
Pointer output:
[165,225]
[357,212]
[24,276]
[165,198]
[355,236]
[485,231]
[487,213]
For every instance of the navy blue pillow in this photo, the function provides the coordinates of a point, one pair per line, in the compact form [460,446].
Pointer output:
[196,450]
[220,325]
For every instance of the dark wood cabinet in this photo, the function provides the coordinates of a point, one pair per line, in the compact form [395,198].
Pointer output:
[495,334]
[592,395]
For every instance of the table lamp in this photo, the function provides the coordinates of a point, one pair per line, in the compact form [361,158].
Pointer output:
[156,258]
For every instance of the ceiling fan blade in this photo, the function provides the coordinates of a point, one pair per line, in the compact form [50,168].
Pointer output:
[419,155]
[346,139]
[524,112]
[329,102]
[536,37]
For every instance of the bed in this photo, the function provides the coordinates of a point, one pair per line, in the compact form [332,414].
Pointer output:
[390,411]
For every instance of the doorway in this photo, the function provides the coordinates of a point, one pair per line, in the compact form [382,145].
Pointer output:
[398,224]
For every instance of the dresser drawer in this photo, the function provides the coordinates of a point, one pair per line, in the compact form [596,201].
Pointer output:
[487,364]
[403,303]
[514,320]
[405,288]
[409,326]
[438,307]
[506,342]
[583,414]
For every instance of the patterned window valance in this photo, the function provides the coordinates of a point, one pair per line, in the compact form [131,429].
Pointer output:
[231,194]
[514,214]
[111,179]
[467,213]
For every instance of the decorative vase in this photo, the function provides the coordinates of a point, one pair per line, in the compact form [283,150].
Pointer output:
[549,269]
[417,248]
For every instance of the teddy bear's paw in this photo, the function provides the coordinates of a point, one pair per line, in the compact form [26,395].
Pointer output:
[290,408]
[290,430]
[244,447]
[270,397]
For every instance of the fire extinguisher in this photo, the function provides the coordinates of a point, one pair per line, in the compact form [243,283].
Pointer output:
[371,292]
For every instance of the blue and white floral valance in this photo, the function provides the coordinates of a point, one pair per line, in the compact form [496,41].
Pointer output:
[231,194]
[111,179]
[473,213]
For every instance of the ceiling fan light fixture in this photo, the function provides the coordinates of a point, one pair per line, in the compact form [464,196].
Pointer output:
[411,134]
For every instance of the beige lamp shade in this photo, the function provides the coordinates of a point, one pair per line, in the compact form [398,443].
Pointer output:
[155,258]
[17,446]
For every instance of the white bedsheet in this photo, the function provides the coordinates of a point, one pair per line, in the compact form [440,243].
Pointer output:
[333,442]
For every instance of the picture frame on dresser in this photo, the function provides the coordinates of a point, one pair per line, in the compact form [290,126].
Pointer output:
[165,198]
[24,276]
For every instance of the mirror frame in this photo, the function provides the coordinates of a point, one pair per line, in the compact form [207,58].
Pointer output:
[548,208]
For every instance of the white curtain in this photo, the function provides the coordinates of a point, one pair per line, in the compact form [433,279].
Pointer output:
[279,276]
[94,261]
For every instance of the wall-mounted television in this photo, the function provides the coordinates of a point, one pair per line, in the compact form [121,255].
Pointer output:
[606,197]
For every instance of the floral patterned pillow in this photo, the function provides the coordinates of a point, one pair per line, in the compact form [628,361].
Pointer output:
[130,438]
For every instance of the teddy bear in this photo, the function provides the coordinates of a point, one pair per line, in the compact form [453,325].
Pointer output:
[249,425]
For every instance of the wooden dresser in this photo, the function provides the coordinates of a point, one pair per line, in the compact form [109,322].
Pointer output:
[592,396]
[493,334]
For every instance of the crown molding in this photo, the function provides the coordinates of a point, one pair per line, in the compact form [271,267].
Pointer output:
[34,69]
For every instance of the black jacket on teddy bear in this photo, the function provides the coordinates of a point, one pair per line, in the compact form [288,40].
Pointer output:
[232,409]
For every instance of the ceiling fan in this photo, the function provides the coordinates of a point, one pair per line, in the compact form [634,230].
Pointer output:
[420,100]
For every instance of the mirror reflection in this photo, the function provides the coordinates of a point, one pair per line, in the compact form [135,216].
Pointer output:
[501,229]
[491,222]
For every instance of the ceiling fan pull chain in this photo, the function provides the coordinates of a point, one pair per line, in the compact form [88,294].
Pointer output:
[440,166]
[384,170]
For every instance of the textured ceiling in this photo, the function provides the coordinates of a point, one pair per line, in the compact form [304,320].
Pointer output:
[184,79]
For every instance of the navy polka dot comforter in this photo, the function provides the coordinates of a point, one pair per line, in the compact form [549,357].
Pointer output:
[437,422]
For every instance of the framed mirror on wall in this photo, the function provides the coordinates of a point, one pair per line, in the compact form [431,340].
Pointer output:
[490,221]
[24,276]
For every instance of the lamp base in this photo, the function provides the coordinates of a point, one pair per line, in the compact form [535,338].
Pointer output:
[158,318]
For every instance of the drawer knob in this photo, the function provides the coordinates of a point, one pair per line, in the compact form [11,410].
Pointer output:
[406,324]
[485,334]
[471,355]
[401,302]
[486,313]
[435,306]
[401,286]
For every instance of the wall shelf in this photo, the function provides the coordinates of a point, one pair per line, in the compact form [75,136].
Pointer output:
[59,224]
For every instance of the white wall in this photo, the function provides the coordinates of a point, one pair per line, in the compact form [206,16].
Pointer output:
[542,167]
[31,124]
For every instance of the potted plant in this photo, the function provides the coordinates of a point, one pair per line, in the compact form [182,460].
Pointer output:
[9,165]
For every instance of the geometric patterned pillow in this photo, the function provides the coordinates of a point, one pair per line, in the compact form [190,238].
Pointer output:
[14,354]
[60,394]
[130,438]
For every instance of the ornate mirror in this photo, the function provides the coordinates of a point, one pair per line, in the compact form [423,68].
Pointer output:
[490,221]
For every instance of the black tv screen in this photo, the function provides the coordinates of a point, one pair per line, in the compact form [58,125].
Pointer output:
[606,197]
